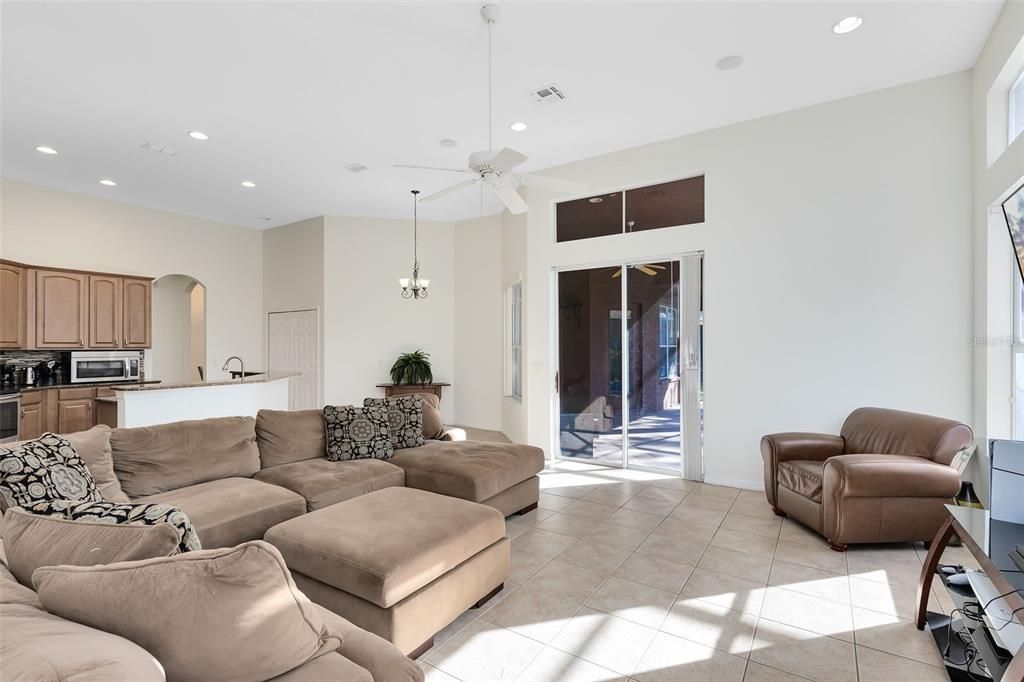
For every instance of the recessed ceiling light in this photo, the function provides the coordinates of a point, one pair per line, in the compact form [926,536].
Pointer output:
[108,182]
[595,200]
[448,142]
[733,61]
[248,183]
[198,135]
[518,126]
[46,150]
[847,24]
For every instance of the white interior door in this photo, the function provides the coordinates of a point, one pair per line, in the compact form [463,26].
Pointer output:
[294,347]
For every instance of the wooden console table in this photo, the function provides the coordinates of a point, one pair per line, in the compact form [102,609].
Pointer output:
[972,527]
[405,389]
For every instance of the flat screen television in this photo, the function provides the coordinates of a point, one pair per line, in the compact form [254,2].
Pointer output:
[1013,210]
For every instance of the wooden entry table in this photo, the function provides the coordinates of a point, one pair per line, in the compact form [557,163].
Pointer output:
[972,527]
[391,390]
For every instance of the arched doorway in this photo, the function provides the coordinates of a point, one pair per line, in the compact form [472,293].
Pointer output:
[179,330]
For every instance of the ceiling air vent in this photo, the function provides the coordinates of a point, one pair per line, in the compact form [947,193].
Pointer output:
[549,93]
[166,151]
[356,167]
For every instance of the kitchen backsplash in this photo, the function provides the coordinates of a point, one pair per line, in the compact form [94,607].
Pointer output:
[26,358]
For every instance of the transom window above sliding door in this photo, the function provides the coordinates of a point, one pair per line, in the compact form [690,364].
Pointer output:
[667,204]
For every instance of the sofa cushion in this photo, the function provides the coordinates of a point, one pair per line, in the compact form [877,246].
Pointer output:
[31,540]
[154,459]
[222,614]
[36,645]
[232,510]
[324,483]
[357,433]
[405,418]
[43,469]
[472,470]
[433,425]
[387,544]
[285,436]
[93,446]
[803,477]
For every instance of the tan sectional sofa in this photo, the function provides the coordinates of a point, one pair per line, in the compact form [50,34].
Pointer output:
[238,477]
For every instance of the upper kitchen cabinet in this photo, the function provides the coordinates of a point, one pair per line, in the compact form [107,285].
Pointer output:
[61,309]
[137,321]
[105,316]
[13,306]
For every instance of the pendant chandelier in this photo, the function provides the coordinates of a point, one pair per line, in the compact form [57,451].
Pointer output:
[414,287]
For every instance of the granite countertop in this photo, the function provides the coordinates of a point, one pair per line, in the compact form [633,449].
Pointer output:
[261,379]
[90,384]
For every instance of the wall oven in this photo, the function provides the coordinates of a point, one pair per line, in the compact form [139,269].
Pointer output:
[9,416]
[117,366]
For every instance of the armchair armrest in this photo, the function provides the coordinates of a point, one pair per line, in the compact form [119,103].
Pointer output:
[453,433]
[780,447]
[365,649]
[888,476]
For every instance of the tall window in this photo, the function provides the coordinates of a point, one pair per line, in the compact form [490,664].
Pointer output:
[668,342]
[514,341]
[1015,112]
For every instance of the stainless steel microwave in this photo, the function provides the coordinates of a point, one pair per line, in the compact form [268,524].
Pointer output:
[116,366]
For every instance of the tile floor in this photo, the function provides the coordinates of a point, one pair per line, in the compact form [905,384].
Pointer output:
[625,575]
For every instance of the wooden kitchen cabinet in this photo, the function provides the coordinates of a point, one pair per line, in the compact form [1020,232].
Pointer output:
[74,415]
[13,306]
[31,418]
[61,309]
[137,320]
[105,311]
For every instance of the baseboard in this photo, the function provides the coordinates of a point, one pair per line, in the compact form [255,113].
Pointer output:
[734,482]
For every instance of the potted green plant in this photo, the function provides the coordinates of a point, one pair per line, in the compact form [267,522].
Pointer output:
[412,368]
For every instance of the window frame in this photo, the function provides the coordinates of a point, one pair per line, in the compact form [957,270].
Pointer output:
[1015,109]
[514,340]
[1017,358]
[665,349]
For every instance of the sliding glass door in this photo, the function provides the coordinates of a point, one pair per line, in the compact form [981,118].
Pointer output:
[628,365]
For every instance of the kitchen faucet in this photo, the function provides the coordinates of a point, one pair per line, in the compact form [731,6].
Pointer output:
[241,367]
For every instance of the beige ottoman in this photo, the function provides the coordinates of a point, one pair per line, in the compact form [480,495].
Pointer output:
[399,562]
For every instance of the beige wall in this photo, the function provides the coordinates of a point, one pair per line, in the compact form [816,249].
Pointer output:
[52,227]
[837,265]
[293,273]
[366,321]
[479,324]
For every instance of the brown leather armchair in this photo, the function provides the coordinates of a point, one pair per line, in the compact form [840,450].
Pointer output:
[884,479]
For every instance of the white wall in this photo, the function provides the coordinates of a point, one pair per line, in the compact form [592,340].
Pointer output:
[837,265]
[994,267]
[367,323]
[49,227]
[479,320]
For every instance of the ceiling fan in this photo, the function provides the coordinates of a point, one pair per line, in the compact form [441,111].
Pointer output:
[494,169]
[646,268]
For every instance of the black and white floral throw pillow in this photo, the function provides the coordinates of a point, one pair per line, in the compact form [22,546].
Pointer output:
[47,468]
[405,418]
[357,433]
[116,513]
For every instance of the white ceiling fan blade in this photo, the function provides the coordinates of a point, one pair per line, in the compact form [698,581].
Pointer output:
[506,160]
[510,197]
[437,168]
[448,190]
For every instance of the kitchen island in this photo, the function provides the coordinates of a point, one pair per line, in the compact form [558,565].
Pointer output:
[149,404]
